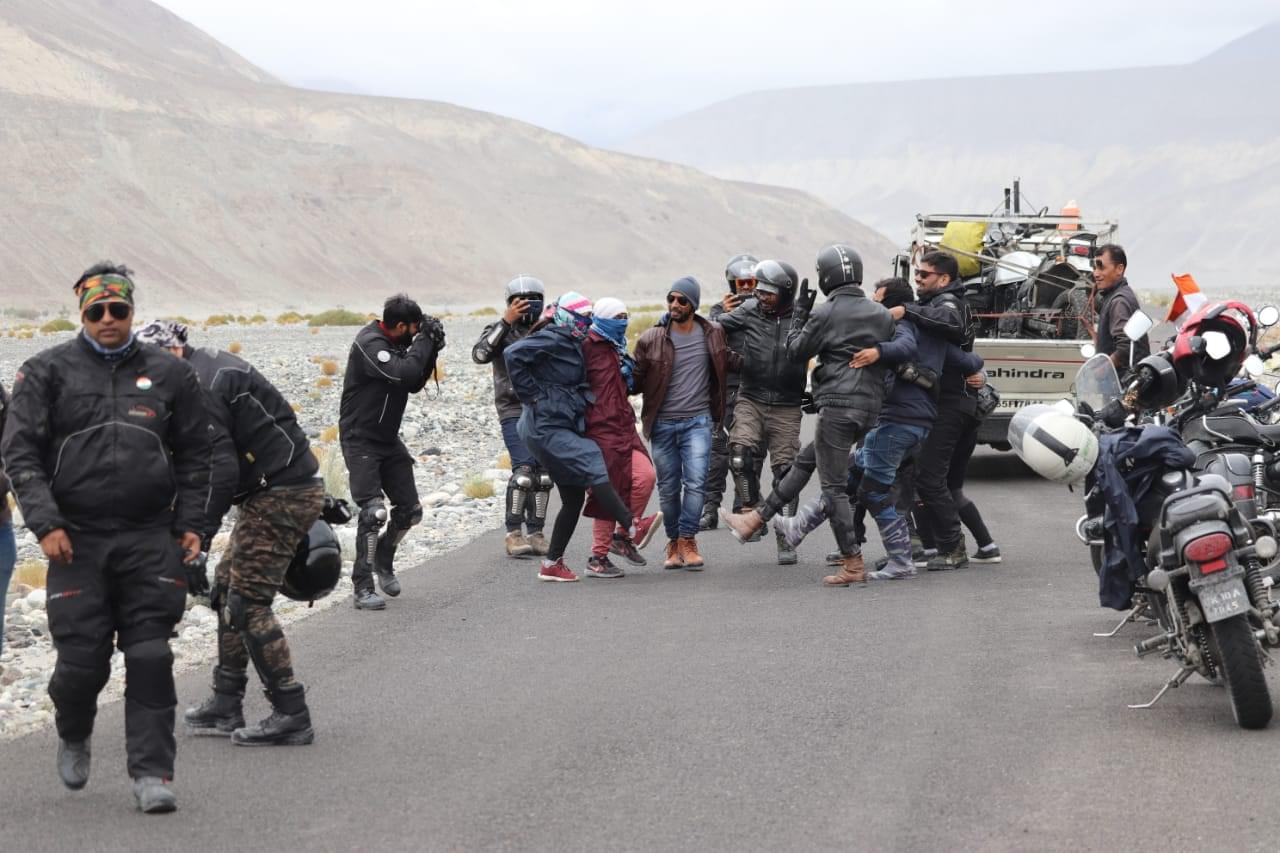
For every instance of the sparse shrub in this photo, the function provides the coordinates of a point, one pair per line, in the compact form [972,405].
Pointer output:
[62,324]
[257,319]
[219,320]
[324,382]
[334,470]
[178,318]
[31,573]
[296,408]
[234,347]
[290,318]
[329,434]
[241,319]
[638,325]
[329,367]
[504,460]
[489,311]
[338,317]
[24,334]
[476,486]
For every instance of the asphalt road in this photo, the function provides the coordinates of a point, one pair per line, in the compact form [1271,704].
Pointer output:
[742,708]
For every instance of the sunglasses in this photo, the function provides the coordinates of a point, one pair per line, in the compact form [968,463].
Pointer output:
[925,273]
[119,311]
[677,299]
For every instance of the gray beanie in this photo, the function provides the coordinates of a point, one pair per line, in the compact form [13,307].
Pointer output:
[689,288]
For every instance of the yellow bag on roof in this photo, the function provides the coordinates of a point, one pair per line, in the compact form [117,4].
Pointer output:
[965,237]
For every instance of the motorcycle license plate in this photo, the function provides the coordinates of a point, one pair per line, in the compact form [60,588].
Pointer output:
[1223,600]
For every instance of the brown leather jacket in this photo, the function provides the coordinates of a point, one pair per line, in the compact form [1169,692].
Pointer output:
[654,356]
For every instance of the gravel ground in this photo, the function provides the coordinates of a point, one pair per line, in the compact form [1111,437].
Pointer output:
[453,432]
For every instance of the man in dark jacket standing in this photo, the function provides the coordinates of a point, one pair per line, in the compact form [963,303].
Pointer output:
[767,416]
[682,365]
[1116,304]
[107,445]
[389,360]
[264,464]
[528,488]
[848,398]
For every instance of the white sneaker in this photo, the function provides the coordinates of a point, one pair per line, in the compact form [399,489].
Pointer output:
[987,554]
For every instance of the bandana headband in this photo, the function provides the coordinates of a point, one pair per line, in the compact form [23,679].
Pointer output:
[105,288]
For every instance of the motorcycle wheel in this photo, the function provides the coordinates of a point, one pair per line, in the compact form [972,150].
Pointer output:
[1241,667]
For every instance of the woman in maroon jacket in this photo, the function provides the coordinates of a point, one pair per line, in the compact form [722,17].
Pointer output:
[611,424]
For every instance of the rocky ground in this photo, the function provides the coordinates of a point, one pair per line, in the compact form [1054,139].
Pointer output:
[452,431]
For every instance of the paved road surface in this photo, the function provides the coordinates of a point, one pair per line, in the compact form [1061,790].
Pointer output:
[742,708]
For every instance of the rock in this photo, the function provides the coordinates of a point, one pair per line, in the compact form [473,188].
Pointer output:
[458,498]
[21,606]
[450,487]
[20,590]
[201,615]
[436,499]
[37,598]
[431,451]
[9,676]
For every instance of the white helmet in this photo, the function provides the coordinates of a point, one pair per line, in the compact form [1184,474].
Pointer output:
[1053,443]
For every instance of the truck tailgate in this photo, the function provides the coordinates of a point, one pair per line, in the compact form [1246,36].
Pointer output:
[1025,372]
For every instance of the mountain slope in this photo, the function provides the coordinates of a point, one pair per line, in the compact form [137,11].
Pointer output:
[126,133]
[1186,157]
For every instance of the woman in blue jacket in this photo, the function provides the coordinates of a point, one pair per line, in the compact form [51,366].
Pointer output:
[548,373]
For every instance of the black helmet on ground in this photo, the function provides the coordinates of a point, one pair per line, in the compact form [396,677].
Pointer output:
[838,265]
[739,268]
[316,565]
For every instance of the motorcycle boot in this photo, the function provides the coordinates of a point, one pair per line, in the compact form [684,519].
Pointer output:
[851,571]
[403,518]
[786,551]
[517,545]
[288,725]
[745,526]
[153,795]
[710,519]
[794,527]
[73,763]
[950,560]
[223,712]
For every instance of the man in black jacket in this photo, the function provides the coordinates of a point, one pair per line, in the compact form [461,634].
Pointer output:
[528,488]
[389,360]
[1116,304]
[262,462]
[767,413]
[107,445]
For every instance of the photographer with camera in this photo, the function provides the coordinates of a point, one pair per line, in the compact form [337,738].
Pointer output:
[390,359]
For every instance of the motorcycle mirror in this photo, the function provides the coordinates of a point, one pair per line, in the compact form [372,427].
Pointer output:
[1254,366]
[1268,316]
[1216,345]
[1138,325]
[1265,547]
[1088,350]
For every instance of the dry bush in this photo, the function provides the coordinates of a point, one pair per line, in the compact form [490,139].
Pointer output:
[296,408]
[61,324]
[439,373]
[485,312]
[476,486]
[329,367]
[24,334]
[219,320]
[504,460]
[324,382]
[338,317]
[334,471]
[31,573]
[234,347]
[290,318]
[329,434]
[257,319]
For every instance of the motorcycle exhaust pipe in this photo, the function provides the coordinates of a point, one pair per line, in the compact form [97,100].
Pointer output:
[1157,643]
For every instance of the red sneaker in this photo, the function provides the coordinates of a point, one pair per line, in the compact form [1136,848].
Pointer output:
[645,528]
[556,571]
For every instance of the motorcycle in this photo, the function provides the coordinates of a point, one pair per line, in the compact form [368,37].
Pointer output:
[1169,541]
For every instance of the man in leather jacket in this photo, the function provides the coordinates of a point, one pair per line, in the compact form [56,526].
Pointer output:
[107,446]
[1116,304]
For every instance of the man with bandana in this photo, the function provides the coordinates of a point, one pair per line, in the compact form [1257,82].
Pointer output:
[263,463]
[107,446]
[390,359]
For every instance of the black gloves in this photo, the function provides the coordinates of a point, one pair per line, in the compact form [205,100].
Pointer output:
[434,330]
[806,297]
[197,575]
[335,510]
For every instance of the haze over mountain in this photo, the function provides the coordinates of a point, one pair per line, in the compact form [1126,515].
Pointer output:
[1186,157]
[126,133]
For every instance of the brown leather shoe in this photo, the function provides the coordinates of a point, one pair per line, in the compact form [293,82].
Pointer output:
[689,551]
[744,525]
[851,571]
[675,557]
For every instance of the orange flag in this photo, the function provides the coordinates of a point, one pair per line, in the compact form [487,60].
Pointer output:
[1189,298]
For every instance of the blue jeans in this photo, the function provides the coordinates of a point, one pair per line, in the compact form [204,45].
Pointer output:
[8,559]
[516,448]
[681,450]
[882,452]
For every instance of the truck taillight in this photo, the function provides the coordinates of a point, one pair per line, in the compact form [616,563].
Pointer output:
[1207,549]
[1083,251]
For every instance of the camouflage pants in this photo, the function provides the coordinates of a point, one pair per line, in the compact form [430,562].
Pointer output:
[268,529]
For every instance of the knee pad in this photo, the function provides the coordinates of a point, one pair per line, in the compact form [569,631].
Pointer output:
[405,517]
[80,674]
[373,515]
[542,496]
[875,496]
[519,487]
[149,673]
[741,458]
[236,611]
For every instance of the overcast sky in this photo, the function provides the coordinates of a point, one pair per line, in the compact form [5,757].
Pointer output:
[603,70]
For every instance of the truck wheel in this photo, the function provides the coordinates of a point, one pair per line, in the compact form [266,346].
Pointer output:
[1241,668]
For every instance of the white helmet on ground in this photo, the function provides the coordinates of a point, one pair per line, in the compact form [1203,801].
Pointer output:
[1053,443]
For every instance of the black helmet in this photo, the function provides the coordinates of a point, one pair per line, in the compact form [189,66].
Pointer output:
[1158,383]
[739,267]
[316,565]
[776,277]
[530,288]
[838,265]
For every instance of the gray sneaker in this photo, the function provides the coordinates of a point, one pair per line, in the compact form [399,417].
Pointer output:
[153,795]
[73,763]
[892,573]
[367,599]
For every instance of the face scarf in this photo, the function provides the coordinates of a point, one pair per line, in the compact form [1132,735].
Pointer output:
[613,329]
[573,312]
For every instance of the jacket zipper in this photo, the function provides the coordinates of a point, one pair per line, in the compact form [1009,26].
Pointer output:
[385,400]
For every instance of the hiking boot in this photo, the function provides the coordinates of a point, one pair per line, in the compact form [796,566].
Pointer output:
[950,561]
[367,599]
[602,567]
[886,572]
[644,528]
[153,795]
[852,570]
[626,549]
[387,581]
[921,560]
[786,552]
[689,553]
[556,571]
[517,545]
[222,713]
[986,554]
[288,725]
[744,526]
[73,763]
[675,559]
[710,518]
[538,543]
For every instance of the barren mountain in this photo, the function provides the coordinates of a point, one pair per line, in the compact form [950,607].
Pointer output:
[1186,157]
[127,133]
